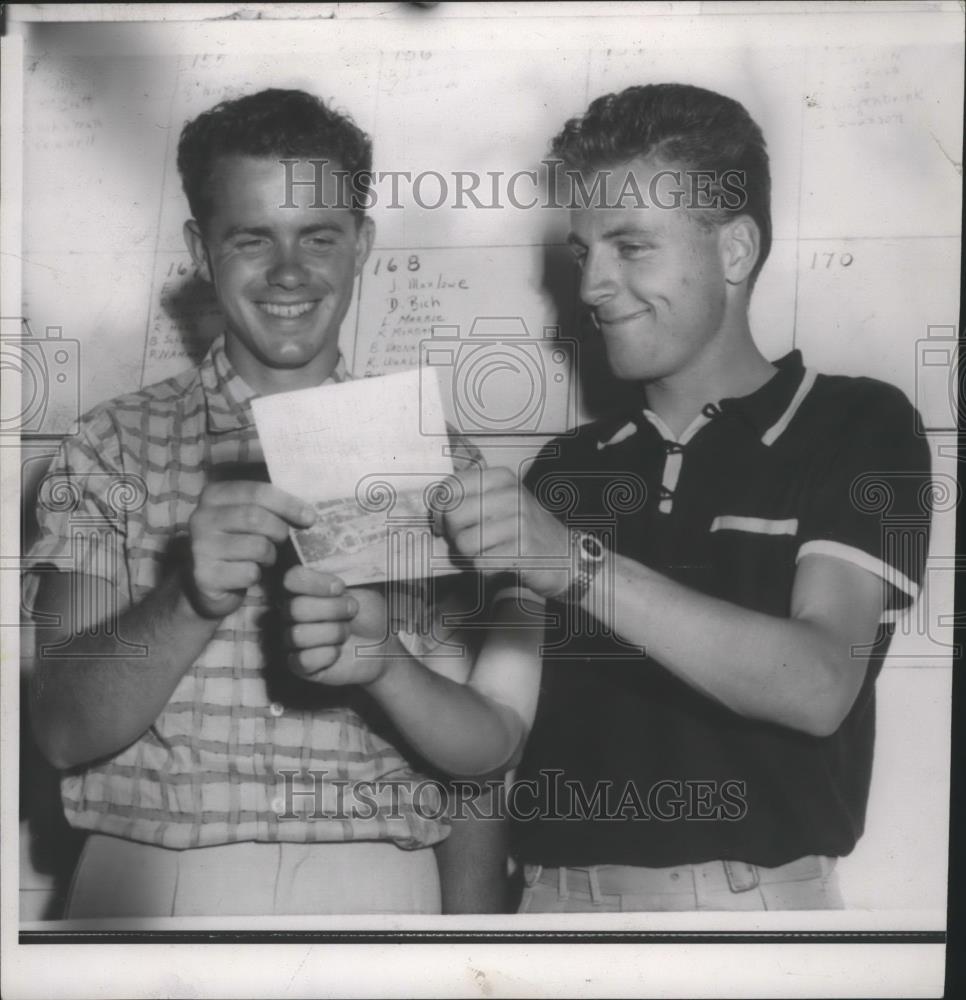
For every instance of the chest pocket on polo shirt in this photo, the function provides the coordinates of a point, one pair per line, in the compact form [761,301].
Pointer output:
[754,560]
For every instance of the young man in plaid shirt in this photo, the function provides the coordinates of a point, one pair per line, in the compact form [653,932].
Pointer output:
[221,740]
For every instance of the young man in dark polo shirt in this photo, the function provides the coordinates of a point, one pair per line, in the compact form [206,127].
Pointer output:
[705,726]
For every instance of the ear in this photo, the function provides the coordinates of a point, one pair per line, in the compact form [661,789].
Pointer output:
[740,243]
[365,237]
[196,247]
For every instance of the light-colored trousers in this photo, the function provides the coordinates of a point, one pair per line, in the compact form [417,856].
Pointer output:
[123,878]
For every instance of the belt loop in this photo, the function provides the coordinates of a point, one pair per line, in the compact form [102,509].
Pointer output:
[531,874]
[595,896]
[562,883]
[738,880]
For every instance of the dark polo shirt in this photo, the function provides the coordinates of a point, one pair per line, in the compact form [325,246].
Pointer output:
[626,764]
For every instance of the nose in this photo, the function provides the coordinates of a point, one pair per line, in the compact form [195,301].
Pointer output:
[597,279]
[287,269]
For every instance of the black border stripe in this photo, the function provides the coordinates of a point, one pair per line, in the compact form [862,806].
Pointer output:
[483,937]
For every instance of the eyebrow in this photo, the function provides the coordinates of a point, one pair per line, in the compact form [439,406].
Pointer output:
[267,231]
[646,231]
[618,231]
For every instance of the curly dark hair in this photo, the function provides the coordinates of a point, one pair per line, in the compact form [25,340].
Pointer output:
[680,124]
[283,123]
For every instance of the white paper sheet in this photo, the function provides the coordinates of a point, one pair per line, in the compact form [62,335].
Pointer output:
[372,456]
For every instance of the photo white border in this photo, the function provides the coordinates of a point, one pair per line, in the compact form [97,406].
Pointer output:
[525,967]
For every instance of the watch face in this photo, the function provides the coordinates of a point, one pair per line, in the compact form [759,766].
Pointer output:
[591,548]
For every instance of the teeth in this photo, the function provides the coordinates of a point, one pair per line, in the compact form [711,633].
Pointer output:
[286,312]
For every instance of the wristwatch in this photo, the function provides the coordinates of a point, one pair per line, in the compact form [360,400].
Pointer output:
[589,557]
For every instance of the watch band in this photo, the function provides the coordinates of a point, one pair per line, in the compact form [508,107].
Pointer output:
[588,559]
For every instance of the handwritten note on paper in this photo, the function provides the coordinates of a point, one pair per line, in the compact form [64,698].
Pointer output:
[371,456]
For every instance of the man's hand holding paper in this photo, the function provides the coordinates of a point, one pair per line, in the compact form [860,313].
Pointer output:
[234,534]
[500,526]
[369,456]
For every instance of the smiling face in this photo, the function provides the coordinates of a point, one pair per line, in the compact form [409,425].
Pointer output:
[283,276]
[655,281]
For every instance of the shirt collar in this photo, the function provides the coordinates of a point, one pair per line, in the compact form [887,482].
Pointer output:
[764,410]
[228,396]
[766,407]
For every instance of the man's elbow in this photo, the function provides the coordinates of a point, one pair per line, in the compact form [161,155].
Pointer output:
[517,732]
[514,760]
[487,770]
[821,724]
[53,746]
[52,733]
[60,761]
[823,714]
[504,758]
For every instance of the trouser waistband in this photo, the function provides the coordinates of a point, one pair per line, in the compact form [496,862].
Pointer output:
[735,876]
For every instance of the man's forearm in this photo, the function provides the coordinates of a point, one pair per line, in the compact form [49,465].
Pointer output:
[453,726]
[93,703]
[785,670]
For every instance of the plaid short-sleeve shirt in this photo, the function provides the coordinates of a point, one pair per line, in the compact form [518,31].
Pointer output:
[243,750]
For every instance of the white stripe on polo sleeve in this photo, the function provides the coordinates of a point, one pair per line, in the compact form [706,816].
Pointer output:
[863,560]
